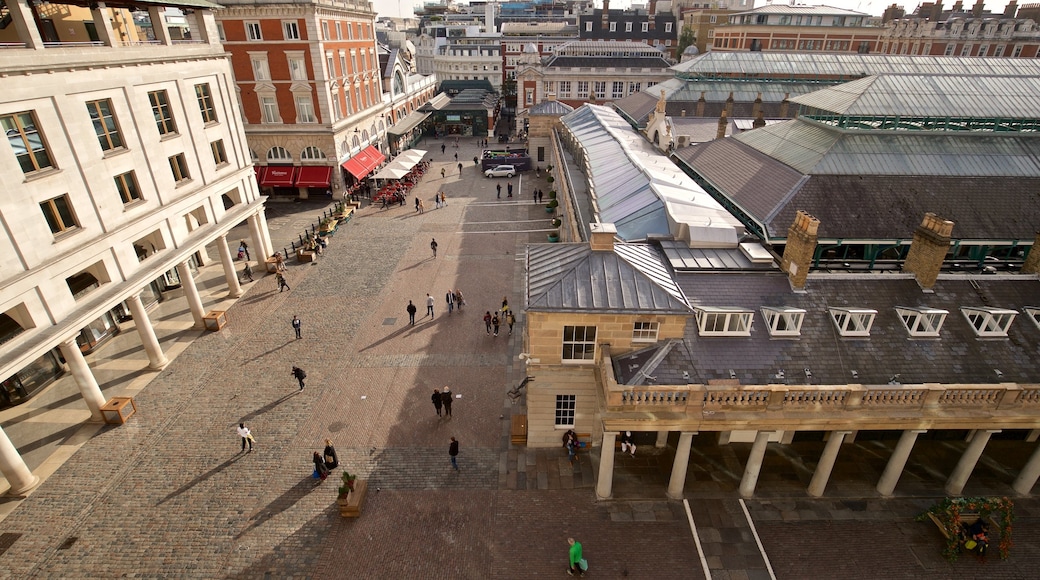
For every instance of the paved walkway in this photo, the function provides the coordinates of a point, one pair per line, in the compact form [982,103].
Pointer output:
[169,495]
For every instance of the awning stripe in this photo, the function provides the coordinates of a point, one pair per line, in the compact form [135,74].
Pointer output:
[277,176]
[314,176]
[363,163]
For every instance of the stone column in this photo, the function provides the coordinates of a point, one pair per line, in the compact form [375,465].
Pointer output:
[156,359]
[959,477]
[754,464]
[230,275]
[1030,472]
[191,294]
[605,481]
[662,439]
[826,464]
[680,464]
[259,251]
[894,468]
[157,15]
[263,235]
[85,380]
[25,23]
[14,468]
[103,25]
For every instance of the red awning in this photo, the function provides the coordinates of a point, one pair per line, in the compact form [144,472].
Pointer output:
[313,177]
[363,163]
[257,169]
[277,176]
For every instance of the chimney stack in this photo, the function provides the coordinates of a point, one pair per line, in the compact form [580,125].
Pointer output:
[801,245]
[723,123]
[1032,263]
[928,249]
[756,107]
[700,105]
[784,104]
[602,238]
[760,121]
[1011,9]
[977,9]
[729,103]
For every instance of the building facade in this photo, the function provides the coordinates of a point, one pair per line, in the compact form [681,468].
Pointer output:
[799,28]
[650,26]
[962,35]
[309,82]
[116,183]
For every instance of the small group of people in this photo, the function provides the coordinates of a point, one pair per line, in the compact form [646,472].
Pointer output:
[243,251]
[442,399]
[975,537]
[492,322]
[537,193]
[570,441]
[324,463]
[441,199]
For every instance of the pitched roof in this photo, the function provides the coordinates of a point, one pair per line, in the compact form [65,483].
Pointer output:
[571,277]
[550,108]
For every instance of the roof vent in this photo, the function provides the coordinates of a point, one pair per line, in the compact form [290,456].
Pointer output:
[756,253]
[602,239]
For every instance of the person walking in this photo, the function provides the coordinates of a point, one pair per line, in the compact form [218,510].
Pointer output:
[446,401]
[628,444]
[282,284]
[437,200]
[422,206]
[429,305]
[449,297]
[433,246]
[436,399]
[417,204]
[245,248]
[509,189]
[321,473]
[443,147]
[487,321]
[444,199]
[459,300]
[456,156]
[296,324]
[247,273]
[300,374]
[460,165]
[577,563]
[442,173]
[453,452]
[331,460]
[411,313]
[505,304]
[495,322]
[247,437]
[498,186]
[510,321]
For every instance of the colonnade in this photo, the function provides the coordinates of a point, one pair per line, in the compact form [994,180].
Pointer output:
[886,485]
[13,467]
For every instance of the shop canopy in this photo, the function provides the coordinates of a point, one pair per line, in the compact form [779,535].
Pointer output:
[409,122]
[277,176]
[401,164]
[363,163]
[314,176]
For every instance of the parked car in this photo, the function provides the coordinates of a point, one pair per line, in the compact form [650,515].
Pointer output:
[501,171]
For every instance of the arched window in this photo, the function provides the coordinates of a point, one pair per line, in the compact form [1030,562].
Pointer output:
[278,154]
[312,153]
[254,156]
[357,141]
[364,135]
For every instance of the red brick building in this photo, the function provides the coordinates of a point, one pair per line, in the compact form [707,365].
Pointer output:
[798,28]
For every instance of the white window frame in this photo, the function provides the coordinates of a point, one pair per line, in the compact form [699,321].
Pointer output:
[278,153]
[646,27]
[724,321]
[565,89]
[853,321]
[220,32]
[261,70]
[290,30]
[667,26]
[583,344]
[613,26]
[297,68]
[305,109]
[588,26]
[565,410]
[628,27]
[269,109]
[325,30]
[989,322]
[922,322]
[645,331]
[782,321]
[312,154]
[253,31]
[1033,313]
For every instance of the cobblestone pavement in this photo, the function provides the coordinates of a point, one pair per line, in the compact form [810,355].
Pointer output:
[169,494]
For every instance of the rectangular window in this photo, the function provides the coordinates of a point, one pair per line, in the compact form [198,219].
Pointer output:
[613,26]
[179,167]
[261,72]
[565,88]
[644,332]
[305,110]
[646,27]
[161,110]
[105,124]
[291,29]
[628,27]
[922,321]
[26,141]
[949,50]
[999,52]
[220,32]
[781,321]
[339,30]
[583,89]
[601,89]
[209,112]
[325,30]
[588,26]
[219,155]
[617,90]
[724,321]
[126,184]
[565,410]
[1017,52]
[343,62]
[853,322]
[667,26]
[989,322]
[579,343]
[297,69]
[269,109]
[713,19]
[335,106]
[58,213]
[547,87]
[332,66]
[253,31]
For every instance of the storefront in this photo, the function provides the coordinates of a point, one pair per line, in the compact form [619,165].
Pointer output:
[359,166]
[30,380]
[315,179]
[278,180]
[407,132]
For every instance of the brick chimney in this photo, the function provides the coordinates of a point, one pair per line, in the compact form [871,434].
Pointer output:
[729,103]
[801,245]
[756,107]
[977,9]
[760,120]
[605,17]
[937,10]
[1032,263]
[652,14]
[784,104]
[958,6]
[723,123]
[929,247]
[602,239]
[700,105]
[1011,9]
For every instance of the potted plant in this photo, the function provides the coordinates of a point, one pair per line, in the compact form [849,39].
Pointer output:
[551,206]
[351,495]
[555,235]
[548,168]
[552,194]
[349,480]
[550,179]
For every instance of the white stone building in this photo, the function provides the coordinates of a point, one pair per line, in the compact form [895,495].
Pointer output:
[124,160]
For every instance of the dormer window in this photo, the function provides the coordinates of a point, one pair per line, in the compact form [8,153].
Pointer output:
[922,321]
[783,321]
[713,321]
[853,321]
[1034,314]
[990,322]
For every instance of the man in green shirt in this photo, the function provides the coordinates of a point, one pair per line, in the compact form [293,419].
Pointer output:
[576,560]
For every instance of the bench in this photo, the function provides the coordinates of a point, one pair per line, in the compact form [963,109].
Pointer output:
[966,518]
[351,508]
[518,430]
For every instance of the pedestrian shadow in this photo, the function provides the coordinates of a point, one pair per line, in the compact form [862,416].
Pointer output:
[417,264]
[180,490]
[393,334]
[250,416]
[280,504]
[263,354]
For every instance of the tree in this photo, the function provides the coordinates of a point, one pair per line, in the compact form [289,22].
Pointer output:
[686,38]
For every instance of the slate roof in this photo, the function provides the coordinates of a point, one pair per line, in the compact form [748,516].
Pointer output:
[956,357]
[606,60]
[573,278]
[550,108]
[681,98]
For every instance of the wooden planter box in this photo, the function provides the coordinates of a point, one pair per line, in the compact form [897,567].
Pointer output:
[118,409]
[215,320]
[272,265]
[350,507]
[305,256]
